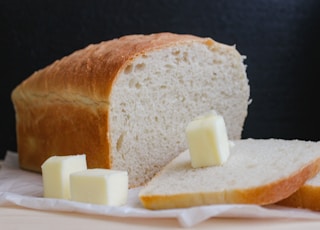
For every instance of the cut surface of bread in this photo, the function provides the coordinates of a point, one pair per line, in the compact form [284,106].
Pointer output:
[125,103]
[258,171]
[308,195]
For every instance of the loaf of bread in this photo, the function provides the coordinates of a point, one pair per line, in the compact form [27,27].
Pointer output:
[125,103]
[257,172]
[308,196]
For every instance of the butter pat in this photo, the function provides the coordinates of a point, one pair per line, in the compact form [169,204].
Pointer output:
[100,186]
[56,172]
[208,140]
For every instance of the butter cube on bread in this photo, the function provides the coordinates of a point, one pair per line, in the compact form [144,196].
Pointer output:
[56,172]
[100,186]
[208,140]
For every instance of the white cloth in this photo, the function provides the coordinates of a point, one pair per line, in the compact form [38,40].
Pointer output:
[22,188]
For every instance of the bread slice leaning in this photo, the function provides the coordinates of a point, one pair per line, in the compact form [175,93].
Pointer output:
[125,102]
[259,172]
[308,196]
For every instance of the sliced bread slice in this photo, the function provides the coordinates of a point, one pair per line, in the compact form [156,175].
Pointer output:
[257,172]
[308,195]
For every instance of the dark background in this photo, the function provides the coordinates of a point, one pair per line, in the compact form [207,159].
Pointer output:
[280,39]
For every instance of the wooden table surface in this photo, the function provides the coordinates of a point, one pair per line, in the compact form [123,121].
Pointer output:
[13,217]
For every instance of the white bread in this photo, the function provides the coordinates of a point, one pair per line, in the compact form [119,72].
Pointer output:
[257,172]
[125,103]
[308,195]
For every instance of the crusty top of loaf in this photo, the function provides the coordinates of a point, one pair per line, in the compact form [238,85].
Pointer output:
[113,53]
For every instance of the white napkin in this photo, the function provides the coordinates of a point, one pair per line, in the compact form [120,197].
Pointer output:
[22,188]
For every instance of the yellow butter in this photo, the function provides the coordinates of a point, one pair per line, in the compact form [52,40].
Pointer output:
[56,171]
[208,140]
[100,186]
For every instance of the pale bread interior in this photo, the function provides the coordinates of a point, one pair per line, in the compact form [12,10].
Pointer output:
[159,92]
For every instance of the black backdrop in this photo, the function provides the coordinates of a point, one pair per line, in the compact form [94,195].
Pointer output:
[280,39]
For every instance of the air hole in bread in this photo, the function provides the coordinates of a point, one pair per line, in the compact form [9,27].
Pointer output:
[185,57]
[140,67]
[251,166]
[137,85]
[120,141]
[169,66]
[175,52]
[133,83]
[128,69]
[217,61]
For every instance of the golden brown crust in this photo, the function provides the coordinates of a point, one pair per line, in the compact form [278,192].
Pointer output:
[306,197]
[80,84]
[263,195]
